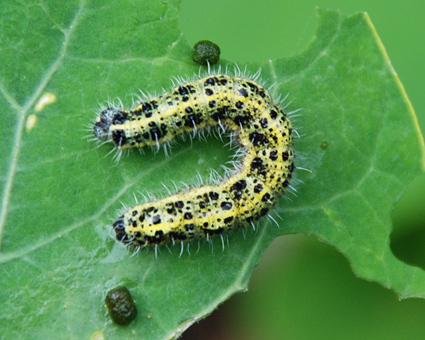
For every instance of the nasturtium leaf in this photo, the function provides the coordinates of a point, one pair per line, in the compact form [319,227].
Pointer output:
[60,192]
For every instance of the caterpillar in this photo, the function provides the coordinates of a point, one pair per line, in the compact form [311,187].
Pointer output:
[255,120]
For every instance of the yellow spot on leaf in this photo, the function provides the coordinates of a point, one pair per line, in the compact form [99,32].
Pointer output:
[46,99]
[98,335]
[31,121]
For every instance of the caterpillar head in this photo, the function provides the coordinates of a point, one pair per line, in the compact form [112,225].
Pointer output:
[103,122]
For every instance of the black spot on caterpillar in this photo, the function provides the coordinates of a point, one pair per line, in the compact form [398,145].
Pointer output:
[257,123]
[121,306]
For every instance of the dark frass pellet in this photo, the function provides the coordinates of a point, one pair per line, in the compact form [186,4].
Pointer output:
[205,52]
[121,306]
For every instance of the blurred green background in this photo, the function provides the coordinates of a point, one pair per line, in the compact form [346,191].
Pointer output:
[304,289]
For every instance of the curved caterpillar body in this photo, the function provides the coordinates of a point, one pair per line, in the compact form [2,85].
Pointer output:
[256,121]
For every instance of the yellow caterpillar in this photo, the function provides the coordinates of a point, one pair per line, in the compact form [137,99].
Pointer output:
[257,123]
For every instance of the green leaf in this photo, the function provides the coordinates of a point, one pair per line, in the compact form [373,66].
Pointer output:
[60,192]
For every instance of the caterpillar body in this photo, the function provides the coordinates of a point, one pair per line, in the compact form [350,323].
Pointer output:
[255,120]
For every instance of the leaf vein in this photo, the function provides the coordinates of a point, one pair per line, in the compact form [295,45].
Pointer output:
[22,114]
